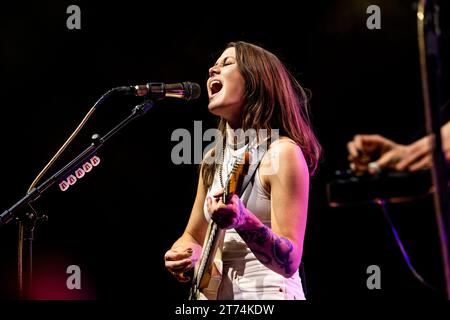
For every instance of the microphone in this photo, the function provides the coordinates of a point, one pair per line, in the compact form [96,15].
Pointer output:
[159,90]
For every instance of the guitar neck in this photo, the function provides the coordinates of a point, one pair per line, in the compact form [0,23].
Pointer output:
[205,269]
[204,272]
[211,245]
[210,248]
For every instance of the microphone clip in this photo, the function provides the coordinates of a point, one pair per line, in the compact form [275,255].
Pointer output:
[142,108]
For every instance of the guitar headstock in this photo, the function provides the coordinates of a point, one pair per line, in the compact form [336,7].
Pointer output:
[237,175]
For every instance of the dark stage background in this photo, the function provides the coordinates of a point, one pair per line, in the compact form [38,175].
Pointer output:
[117,223]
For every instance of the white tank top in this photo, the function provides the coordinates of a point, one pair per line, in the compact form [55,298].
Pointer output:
[247,277]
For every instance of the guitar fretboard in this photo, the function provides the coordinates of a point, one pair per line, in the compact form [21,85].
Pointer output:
[206,251]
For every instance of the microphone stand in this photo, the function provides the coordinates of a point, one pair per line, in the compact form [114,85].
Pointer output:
[430,67]
[23,211]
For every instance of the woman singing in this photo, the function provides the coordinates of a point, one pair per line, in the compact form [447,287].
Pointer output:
[249,88]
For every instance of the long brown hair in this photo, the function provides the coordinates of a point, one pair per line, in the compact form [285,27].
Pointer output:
[273,99]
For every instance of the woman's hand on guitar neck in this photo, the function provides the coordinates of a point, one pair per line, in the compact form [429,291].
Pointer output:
[180,260]
[227,216]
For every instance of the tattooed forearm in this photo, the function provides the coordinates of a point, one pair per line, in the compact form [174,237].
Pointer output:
[262,256]
[282,249]
[260,236]
[273,251]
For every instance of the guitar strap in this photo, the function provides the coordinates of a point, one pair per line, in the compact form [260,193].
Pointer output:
[252,172]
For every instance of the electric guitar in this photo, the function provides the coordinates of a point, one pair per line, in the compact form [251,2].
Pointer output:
[207,278]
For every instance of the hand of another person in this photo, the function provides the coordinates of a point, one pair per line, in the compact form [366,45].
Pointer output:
[372,153]
[419,153]
[418,156]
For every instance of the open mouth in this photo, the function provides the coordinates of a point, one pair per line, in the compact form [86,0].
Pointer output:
[215,86]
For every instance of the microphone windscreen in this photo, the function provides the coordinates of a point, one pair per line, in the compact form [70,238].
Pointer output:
[192,90]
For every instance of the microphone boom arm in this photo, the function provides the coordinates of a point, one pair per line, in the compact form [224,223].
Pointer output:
[36,192]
